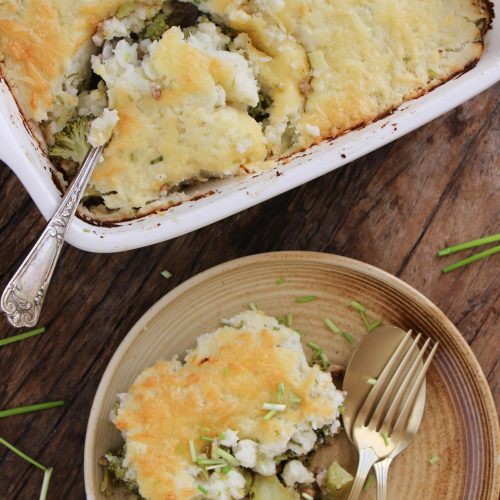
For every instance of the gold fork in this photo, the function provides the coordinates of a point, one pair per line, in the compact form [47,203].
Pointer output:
[382,422]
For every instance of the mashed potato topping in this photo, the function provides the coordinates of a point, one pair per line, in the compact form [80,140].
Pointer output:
[216,88]
[216,399]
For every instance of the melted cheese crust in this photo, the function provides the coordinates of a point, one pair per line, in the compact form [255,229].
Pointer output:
[223,384]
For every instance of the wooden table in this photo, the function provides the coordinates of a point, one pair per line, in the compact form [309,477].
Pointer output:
[393,208]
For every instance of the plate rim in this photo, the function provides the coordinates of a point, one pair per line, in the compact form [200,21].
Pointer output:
[478,378]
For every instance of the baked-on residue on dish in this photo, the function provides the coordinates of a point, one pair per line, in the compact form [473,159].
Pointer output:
[176,415]
[215,88]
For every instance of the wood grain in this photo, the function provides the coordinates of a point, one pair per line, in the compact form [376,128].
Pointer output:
[393,208]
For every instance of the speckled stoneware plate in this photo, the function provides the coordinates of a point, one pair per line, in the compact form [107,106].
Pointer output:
[460,424]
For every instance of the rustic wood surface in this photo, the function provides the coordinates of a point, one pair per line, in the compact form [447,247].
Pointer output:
[393,208]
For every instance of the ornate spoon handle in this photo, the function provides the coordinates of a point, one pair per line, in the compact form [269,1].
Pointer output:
[23,296]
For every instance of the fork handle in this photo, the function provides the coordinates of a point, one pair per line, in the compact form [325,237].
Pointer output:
[382,471]
[367,458]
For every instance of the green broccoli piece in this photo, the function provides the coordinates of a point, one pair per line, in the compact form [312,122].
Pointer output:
[70,143]
[156,27]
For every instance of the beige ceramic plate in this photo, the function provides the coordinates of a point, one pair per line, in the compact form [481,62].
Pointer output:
[460,422]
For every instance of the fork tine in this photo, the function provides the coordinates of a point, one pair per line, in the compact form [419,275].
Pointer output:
[370,400]
[403,386]
[402,371]
[410,400]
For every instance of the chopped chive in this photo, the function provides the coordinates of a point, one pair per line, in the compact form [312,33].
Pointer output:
[348,337]
[227,457]
[307,496]
[207,438]
[280,458]
[365,321]
[86,230]
[325,362]
[434,459]
[226,469]
[272,406]
[341,409]
[470,244]
[166,274]
[225,322]
[22,455]
[359,307]
[332,326]
[205,429]
[22,336]
[225,371]
[371,381]
[192,451]
[180,449]
[210,461]
[252,307]
[281,389]
[294,399]
[314,346]
[368,483]
[374,325]
[30,408]
[156,160]
[280,281]
[269,415]
[216,466]
[306,298]
[203,489]
[221,436]
[385,437]
[276,328]
[45,485]
[471,259]
[289,320]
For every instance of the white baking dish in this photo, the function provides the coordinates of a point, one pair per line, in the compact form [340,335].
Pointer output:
[21,153]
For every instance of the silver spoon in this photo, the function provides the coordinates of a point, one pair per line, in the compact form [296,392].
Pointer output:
[368,360]
[23,296]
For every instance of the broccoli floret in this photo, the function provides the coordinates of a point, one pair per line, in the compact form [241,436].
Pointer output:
[70,143]
[113,463]
[156,27]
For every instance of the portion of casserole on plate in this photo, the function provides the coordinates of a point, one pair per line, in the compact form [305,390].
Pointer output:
[189,90]
[240,417]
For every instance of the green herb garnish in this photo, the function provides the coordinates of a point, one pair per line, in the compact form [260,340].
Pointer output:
[294,399]
[348,337]
[281,389]
[269,415]
[192,451]
[30,408]
[385,437]
[207,438]
[273,406]
[225,371]
[280,281]
[331,326]
[45,485]
[359,307]
[306,298]
[289,320]
[226,456]
[314,346]
[22,455]
[371,381]
[434,459]
[368,483]
[203,489]
[22,336]
[166,274]
[469,244]
[374,325]
[252,307]
[471,259]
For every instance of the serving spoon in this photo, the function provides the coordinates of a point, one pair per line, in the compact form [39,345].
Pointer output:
[24,294]
[367,362]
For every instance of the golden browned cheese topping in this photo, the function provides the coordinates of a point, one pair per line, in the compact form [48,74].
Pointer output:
[223,385]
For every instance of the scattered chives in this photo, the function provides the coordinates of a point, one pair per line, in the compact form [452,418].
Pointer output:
[314,346]
[374,325]
[221,436]
[341,409]
[207,438]
[225,371]
[294,399]
[252,307]
[280,281]
[385,437]
[307,496]
[272,406]
[226,469]
[471,259]
[269,415]
[180,449]
[359,307]
[332,326]
[203,489]
[215,466]
[281,389]
[470,244]
[366,323]
[325,362]
[86,230]
[434,459]
[227,457]
[348,337]
[30,408]
[166,274]
[371,381]
[22,336]
[289,320]
[306,298]
[22,455]
[45,485]
[210,461]
[192,451]
[368,483]
[225,322]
